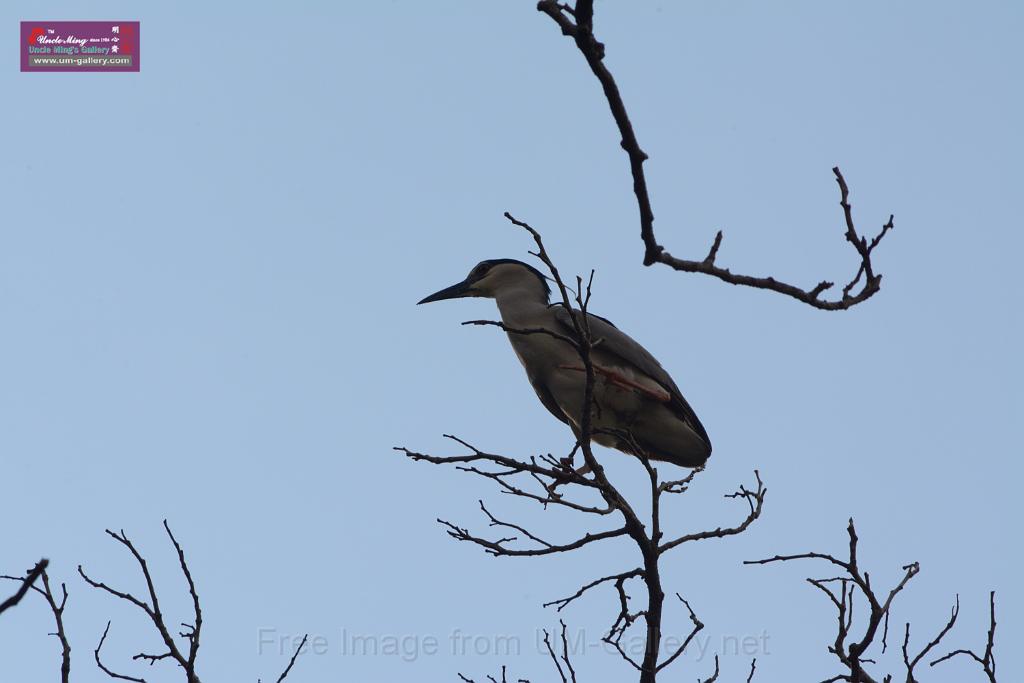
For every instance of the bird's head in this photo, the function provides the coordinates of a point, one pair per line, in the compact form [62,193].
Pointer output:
[497,278]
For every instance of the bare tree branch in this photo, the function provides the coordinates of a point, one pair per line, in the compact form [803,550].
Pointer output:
[102,666]
[755,499]
[152,608]
[842,592]
[568,675]
[714,676]
[911,663]
[851,655]
[562,603]
[526,330]
[578,23]
[27,582]
[56,608]
[698,626]
[499,548]
[291,662]
[988,659]
[192,635]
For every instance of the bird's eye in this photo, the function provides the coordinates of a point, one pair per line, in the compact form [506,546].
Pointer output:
[480,271]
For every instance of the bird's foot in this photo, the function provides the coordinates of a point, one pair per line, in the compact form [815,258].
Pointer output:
[567,477]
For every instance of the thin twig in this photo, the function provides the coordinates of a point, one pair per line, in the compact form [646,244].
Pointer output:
[103,667]
[291,662]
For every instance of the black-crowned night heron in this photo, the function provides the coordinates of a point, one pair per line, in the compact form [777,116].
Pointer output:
[633,395]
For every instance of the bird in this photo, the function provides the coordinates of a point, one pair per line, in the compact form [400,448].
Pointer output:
[637,407]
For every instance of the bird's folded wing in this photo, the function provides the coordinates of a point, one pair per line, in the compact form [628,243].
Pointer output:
[617,343]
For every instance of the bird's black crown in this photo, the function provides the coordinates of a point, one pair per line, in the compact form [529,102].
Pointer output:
[484,266]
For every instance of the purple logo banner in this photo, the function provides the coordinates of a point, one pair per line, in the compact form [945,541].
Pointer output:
[79,46]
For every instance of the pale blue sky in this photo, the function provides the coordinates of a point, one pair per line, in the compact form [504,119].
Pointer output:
[207,279]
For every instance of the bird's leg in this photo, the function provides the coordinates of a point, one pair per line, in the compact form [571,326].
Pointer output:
[623,382]
[552,488]
[585,470]
[566,462]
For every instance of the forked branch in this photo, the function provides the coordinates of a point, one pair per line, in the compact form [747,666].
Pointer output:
[853,585]
[151,607]
[56,608]
[841,591]
[185,658]
[987,660]
[577,22]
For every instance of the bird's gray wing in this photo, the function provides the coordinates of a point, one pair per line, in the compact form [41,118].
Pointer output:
[620,344]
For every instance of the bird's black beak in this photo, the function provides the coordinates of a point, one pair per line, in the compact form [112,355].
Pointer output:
[456,291]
